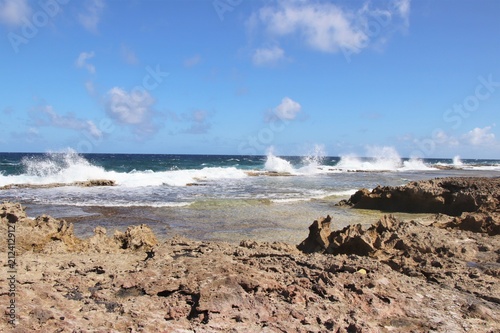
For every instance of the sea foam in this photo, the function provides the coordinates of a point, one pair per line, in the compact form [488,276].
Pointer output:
[68,167]
[380,159]
[277,164]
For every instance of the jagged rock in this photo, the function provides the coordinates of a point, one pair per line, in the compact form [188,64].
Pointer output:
[34,235]
[137,237]
[318,240]
[451,196]
[455,196]
[101,243]
[50,235]
[353,239]
[477,222]
[377,280]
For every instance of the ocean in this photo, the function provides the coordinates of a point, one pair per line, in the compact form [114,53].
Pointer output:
[213,197]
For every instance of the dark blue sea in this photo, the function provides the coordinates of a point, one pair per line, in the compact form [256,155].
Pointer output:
[213,197]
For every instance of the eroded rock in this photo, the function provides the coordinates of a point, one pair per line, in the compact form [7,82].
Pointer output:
[392,276]
[473,201]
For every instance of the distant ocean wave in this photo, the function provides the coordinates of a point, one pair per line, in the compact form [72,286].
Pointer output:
[210,194]
[164,170]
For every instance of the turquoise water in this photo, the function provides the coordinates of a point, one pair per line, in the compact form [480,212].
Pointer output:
[212,197]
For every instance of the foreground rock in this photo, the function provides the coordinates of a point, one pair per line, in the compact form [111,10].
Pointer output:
[439,256]
[474,202]
[46,234]
[392,277]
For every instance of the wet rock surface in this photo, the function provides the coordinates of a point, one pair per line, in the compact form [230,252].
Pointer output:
[393,276]
[85,183]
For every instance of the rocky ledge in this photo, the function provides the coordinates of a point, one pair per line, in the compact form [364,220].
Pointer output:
[393,276]
[474,202]
[85,183]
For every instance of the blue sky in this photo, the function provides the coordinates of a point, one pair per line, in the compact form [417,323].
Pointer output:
[239,76]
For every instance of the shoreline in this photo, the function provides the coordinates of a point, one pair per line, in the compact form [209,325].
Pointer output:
[357,279]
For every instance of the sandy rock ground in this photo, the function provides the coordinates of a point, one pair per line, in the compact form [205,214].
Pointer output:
[394,276]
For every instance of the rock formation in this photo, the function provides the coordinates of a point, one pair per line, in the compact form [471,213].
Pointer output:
[49,235]
[392,276]
[86,183]
[474,202]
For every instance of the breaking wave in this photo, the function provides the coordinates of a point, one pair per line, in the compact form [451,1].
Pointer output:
[68,167]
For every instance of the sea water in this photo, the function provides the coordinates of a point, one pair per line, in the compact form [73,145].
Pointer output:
[213,197]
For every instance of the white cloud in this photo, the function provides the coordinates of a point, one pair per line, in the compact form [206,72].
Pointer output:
[92,15]
[330,28]
[442,138]
[324,27]
[479,136]
[403,9]
[45,115]
[81,61]
[93,130]
[12,12]
[132,108]
[266,56]
[288,109]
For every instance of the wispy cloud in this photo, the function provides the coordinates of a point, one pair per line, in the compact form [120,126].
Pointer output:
[474,139]
[91,16]
[89,86]
[128,55]
[268,56]
[45,115]
[330,28]
[403,9]
[196,121]
[12,12]
[192,61]
[199,122]
[81,61]
[443,138]
[31,135]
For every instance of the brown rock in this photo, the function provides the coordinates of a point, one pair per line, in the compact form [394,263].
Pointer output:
[318,239]
[451,196]
[137,237]
[393,276]
[95,182]
[477,222]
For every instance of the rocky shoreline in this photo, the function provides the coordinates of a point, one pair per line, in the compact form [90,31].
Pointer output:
[393,276]
[86,183]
